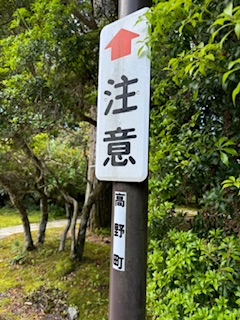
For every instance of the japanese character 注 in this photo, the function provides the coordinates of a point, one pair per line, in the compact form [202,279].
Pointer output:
[123,96]
[119,147]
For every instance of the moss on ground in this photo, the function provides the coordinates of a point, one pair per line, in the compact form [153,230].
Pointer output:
[23,274]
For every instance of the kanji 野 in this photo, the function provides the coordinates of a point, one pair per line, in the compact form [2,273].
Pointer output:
[124,96]
[118,261]
[116,150]
[118,230]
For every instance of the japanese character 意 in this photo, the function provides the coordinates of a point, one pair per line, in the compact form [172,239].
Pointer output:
[119,147]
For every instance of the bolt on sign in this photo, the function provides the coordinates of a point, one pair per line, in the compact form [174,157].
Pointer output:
[123,100]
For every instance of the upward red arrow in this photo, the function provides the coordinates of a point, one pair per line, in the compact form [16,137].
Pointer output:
[121,43]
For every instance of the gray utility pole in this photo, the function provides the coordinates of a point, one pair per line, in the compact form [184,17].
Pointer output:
[126,7]
[128,288]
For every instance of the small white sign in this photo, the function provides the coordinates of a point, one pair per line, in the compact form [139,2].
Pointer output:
[119,231]
[123,100]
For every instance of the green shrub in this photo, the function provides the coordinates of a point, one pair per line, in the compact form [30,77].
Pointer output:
[56,212]
[162,218]
[220,209]
[194,278]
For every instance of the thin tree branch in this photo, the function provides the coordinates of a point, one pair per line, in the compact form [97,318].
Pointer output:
[88,119]
[91,24]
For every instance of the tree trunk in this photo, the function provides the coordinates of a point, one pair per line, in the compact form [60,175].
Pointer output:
[91,180]
[69,220]
[43,207]
[16,200]
[73,227]
[44,219]
[84,219]
[100,215]
[101,211]
[72,221]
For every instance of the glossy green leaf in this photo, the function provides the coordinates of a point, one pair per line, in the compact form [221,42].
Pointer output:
[231,151]
[232,63]
[235,93]
[228,73]
[224,158]
[229,9]
[237,30]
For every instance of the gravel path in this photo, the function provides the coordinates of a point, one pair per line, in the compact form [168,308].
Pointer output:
[5,232]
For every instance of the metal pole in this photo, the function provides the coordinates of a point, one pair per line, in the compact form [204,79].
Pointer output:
[126,7]
[128,288]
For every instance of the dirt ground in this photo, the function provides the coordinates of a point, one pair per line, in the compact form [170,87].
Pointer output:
[24,309]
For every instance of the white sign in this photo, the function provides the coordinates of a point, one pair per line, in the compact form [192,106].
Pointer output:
[119,231]
[123,100]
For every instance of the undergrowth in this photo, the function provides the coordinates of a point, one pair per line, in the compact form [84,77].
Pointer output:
[51,275]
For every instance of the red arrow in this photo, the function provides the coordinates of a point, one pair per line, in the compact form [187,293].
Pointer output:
[121,44]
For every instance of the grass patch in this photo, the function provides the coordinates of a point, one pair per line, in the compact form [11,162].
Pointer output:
[9,217]
[51,275]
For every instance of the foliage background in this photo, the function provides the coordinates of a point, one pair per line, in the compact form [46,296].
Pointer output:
[194,159]
[48,82]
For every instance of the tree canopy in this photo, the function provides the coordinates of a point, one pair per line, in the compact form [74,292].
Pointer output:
[49,57]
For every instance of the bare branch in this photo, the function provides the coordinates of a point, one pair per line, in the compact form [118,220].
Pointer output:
[91,24]
[88,119]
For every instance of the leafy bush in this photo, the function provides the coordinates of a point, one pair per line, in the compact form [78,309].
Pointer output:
[162,218]
[194,278]
[195,80]
[56,211]
[220,209]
